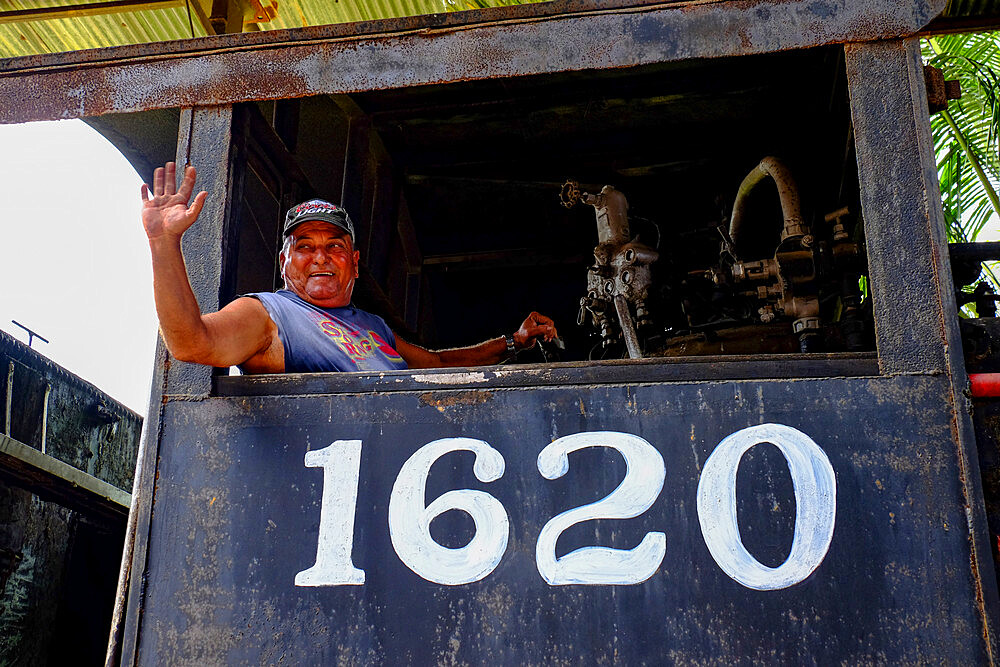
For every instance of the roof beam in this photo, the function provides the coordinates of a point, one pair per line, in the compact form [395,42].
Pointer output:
[52,479]
[951,24]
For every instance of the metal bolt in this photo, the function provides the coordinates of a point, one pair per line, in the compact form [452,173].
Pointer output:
[805,323]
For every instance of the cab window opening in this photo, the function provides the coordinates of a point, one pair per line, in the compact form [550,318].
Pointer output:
[695,208]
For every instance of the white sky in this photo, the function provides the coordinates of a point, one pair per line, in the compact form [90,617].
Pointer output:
[74,262]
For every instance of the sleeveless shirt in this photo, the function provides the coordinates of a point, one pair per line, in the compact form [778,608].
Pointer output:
[329,339]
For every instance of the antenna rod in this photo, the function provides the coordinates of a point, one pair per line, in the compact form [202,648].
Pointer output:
[31,334]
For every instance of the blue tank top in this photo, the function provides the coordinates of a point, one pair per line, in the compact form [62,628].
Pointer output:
[330,339]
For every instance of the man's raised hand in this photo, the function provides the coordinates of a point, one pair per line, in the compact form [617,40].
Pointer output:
[167,213]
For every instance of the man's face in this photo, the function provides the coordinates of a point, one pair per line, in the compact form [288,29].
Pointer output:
[320,264]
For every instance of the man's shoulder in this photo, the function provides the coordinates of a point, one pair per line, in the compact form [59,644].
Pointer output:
[260,296]
[247,303]
[271,300]
[286,302]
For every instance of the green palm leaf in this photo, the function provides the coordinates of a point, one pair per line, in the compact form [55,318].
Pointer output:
[966,135]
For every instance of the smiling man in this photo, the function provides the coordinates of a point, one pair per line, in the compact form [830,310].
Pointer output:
[309,326]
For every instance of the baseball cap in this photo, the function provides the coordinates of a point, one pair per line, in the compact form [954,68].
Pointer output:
[318,209]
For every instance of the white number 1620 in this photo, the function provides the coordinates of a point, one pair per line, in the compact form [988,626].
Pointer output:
[812,476]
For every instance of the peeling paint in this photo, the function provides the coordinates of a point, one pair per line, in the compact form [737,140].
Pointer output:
[452,378]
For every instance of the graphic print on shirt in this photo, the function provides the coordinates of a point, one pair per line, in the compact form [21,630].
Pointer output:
[359,346]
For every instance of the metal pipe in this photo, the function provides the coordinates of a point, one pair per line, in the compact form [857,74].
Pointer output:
[788,192]
[611,209]
[985,385]
[10,395]
[628,328]
[45,414]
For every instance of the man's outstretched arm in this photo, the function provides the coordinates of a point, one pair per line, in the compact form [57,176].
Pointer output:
[488,352]
[228,337]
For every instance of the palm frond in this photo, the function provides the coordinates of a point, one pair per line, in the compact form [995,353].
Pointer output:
[966,135]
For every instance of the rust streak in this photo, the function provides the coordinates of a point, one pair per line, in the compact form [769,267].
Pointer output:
[455,398]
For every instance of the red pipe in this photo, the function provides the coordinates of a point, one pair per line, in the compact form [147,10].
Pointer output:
[985,385]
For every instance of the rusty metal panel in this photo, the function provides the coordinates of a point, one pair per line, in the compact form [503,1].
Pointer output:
[343,60]
[901,205]
[880,12]
[205,137]
[915,313]
[237,514]
[64,416]
[205,140]
[916,319]
[67,453]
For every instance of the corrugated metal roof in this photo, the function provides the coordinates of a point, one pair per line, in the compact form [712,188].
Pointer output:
[181,21]
[70,34]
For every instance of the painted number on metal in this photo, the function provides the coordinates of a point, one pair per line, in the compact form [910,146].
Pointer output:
[812,476]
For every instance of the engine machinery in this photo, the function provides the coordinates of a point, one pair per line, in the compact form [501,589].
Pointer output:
[804,295]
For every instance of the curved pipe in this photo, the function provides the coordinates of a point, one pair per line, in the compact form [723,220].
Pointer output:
[788,192]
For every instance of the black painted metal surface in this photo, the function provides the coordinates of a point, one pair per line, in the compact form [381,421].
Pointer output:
[230,513]
[734,367]
[60,534]
[237,514]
